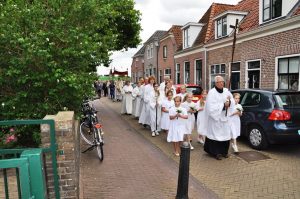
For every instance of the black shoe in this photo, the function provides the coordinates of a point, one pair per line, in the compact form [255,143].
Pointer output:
[218,157]
[225,155]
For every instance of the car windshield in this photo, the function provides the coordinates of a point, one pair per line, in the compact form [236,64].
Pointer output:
[287,100]
[194,90]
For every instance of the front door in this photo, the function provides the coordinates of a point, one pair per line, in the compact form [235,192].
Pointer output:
[253,78]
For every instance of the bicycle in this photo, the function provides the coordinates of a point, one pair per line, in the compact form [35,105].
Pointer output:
[91,129]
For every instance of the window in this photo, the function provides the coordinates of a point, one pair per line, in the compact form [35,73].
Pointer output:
[186,72]
[221,27]
[198,72]
[177,73]
[168,72]
[250,99]
[253,75]
[288,73]
[160,76]
[271,9]
[165,52]
[148,51]
[217,69]
[186,38]
[235,76]
[151,50]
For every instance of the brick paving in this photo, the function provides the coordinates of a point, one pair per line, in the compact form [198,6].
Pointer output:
[278,177]
[133,167]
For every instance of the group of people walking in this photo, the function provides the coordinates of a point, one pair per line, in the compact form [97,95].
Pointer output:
[111,88]
[215,115]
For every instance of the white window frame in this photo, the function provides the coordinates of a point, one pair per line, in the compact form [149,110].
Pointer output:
[276,69]
[151,50]
[165,53]
[270,11]
[247,69]
[230,71]
[195,70]
[222,24]
[184,72]
[168,73]
[186,38]
[222,74]
[177,72]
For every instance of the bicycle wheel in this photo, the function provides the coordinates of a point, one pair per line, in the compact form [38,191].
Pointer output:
[99,144]
[86,133]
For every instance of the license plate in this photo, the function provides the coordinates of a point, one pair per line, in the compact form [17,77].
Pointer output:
[298,132]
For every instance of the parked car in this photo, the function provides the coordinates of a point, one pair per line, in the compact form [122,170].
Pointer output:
[269,116]
[191,88]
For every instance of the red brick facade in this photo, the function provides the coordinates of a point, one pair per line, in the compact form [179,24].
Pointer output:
[137,68]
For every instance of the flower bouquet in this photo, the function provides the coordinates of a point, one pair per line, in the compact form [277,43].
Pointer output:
[239,108]
[178,111]
[193,108]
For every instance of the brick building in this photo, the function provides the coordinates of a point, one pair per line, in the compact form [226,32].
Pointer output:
[137,65]
[267,53]
[169,44]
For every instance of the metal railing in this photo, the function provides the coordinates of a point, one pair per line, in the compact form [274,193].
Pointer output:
[15,155]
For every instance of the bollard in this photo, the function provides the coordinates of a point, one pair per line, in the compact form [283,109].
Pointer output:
[183,177]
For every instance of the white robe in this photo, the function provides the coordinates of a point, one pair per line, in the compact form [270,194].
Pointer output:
[235,124]
[127,100]
[177,128]
[218,126]
[155,110]
[181,95]
[145,112]
[135,100]
[200,119]
[165,118]
[190,122]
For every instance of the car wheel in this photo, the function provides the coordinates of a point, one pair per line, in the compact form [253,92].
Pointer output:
[257,138]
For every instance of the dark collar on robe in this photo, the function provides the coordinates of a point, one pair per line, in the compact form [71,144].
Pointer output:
[219,90]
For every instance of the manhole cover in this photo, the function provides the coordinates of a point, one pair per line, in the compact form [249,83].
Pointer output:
[251,156]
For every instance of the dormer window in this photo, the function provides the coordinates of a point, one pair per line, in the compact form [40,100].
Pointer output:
[186,38]
[222,27]
[271,9]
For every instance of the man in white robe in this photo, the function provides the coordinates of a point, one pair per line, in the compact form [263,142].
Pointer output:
[136,100]
[219,103]
[127,99]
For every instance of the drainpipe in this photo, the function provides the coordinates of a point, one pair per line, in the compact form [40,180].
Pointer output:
[205,58]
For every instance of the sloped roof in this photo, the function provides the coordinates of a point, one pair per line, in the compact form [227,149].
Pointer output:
[177,33]
[157,34]
[140,52]
[207,31]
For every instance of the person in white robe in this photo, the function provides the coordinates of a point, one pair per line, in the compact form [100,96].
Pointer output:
[155,101]
[163,84]
[182,92]
[145,113]
[200,117]
[219,104]
[177,129]
[137,100]
[235,122]
[191,108]
[127,99]
[119,86]
[170,87]
[165,108]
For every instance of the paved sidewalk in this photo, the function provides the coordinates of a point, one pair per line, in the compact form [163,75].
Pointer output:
[277,177]
[133,167]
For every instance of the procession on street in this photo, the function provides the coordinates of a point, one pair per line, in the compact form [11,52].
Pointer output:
[215,116]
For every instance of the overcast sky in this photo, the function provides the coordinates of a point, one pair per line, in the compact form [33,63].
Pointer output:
[161,15]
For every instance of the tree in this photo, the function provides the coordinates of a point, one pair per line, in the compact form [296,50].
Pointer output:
[49,50]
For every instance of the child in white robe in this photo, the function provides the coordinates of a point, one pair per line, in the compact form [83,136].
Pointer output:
[155,101]
[166,106]
[177,129]
[191,108]
[200,118]
[126,107]
[235,122]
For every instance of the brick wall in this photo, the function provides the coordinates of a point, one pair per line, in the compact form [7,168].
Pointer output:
[190,58]
[168,62]
[68,154]
[265,49]
[137,68]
